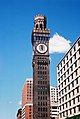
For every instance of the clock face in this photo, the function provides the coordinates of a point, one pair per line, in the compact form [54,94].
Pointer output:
[42,48]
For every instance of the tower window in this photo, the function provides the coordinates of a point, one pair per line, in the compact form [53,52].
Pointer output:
[41,26]
[36,26]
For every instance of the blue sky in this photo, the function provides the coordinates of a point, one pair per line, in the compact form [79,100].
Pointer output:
[16,23]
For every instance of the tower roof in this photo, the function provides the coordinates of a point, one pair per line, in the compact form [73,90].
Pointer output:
[39,16]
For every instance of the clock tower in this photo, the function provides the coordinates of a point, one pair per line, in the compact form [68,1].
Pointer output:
[40,63]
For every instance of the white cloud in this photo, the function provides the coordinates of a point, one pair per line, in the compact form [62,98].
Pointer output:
[58,44]
[20,103]
[10,102]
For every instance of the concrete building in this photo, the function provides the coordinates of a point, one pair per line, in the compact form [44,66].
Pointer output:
[68,75]
[27,99]
[54,113]
[53,94]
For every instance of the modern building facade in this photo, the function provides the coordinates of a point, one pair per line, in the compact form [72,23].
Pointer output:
[53,94]
[41,83]
[27,100]
[54,111]
[68,75]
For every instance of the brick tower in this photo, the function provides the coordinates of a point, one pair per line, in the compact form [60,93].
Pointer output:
[41,80]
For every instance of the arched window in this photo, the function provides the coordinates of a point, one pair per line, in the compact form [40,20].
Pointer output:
[41,26]
[36,26]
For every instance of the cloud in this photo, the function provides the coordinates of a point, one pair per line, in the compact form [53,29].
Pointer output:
[20,103]
[10,102]
[58,44]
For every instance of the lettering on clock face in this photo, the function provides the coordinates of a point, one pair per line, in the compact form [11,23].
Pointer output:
[42,48]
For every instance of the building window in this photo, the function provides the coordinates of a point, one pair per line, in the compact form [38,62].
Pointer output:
[76,72]
[41,26]
[72,76]
[58,67]
[65,82]
[38,103]
[62,91]
[74,101]
[74,110]
[59,100]
[78,98]
[68,71]
[58,73]
[77,89]
[46,114]
[59,93]
[73,92]
[60,107]
[60,115]
[72,84]
[79,50]
[79,43]
[61,64]
[74,48]
[67,64]
[70,52]
[63,114]
[71,60]
[62,99]
[79,108]
[38,109]
[69,94]
[61,71]
[61,77]
[75,56]
[75,64]
[59,80]
[69,87]
[62,84]
[70,111]
[46,103]
[67,57]
[36,26]
[76,80]
[64,61]
[71,68]
[65,97]
[63,106]
[64,68]
[65,89]
[59,87]
[68,79]
[66,113]
[70,103]
[64,75]
[66,104]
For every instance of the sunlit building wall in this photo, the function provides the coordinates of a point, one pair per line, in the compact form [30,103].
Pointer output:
[68,75]
[27,99]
